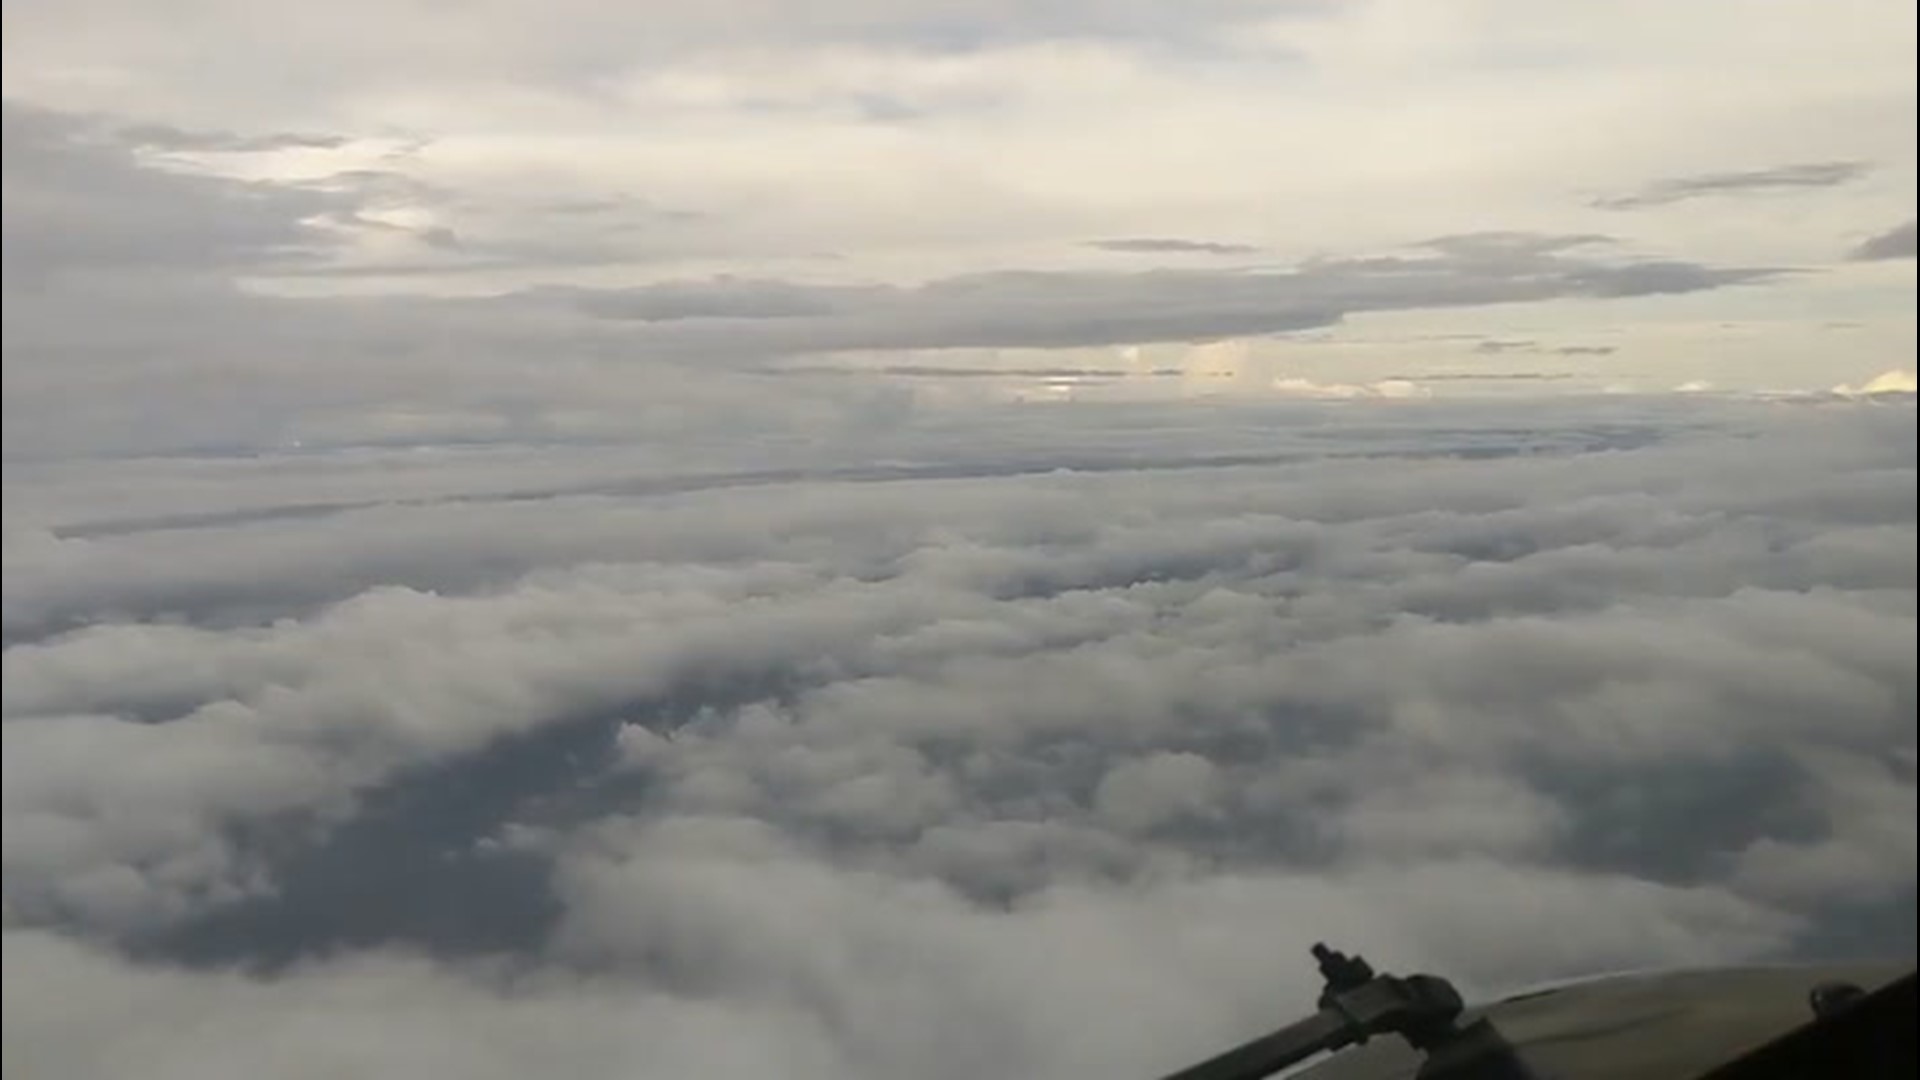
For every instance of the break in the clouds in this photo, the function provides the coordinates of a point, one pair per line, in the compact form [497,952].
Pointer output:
[1895,243]
[627,768]
[1779,178]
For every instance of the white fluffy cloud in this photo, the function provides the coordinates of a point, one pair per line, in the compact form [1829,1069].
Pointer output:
[842,769]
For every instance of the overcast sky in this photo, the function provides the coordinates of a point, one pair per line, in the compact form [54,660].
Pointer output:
[886,540]
[1655,197]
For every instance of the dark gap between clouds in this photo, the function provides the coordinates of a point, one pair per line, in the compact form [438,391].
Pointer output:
[412,867]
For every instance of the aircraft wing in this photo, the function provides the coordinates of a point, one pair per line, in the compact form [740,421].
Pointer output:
[1660,1026]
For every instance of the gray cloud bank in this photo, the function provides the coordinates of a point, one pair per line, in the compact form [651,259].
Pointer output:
[1150,245]
[1498,346]
[166,137]
[1895,243]
[1775,179]
[500,761]
[78,201]
[1040,309]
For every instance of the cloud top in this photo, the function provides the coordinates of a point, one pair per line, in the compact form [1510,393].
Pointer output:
[1109,718]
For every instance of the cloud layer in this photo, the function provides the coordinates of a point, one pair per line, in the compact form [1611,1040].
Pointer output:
[833,770]
[871,540]
[136,323]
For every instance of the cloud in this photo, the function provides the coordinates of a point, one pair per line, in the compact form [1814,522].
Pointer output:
[1772,180]
[1482,376]
[1496,346]
[918,145]
[76,203]
[1897,381]
[137,336]
[721,298]
[764,962]
[524,528]
[1041,309]
[133,324]
[1107,712]
[87,195]
[1499,346]
[1168,245]
[1294,386]
[1895,243]
[938,371]
[166,137]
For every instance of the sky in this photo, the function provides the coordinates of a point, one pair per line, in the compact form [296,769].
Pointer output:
[895,540]
[1280,198]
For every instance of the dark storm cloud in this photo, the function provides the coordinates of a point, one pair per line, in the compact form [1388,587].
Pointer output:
[1895,243]
[1775,179]
[1152,245]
